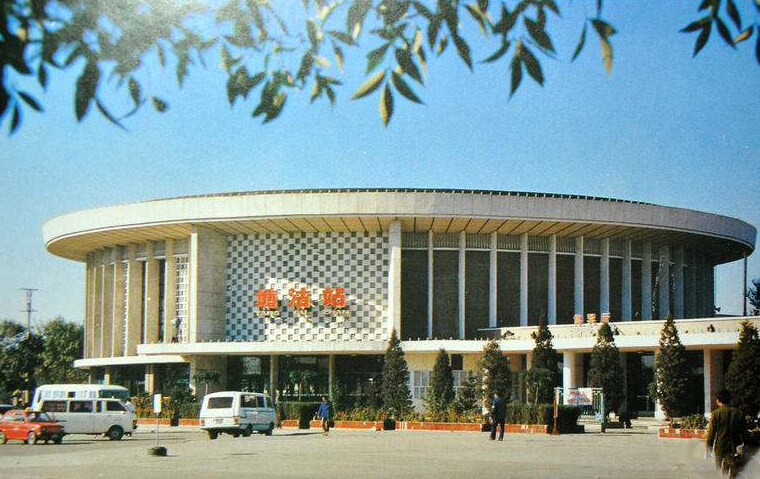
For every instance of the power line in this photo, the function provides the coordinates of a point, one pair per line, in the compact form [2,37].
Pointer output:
[29,310]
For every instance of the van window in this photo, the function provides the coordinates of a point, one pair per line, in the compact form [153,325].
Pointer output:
[54,406]
[114,394]
[247,401]
[80,406]
[268,401]
[114,406]
[260,401]
[223,402]
[99,406]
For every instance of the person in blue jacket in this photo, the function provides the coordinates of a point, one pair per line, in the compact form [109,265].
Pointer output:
[498,415]
[324,414]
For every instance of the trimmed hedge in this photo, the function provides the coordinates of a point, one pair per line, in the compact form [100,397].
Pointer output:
[302,411]
[544,414]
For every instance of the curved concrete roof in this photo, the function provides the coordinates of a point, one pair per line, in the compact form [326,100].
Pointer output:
[73,235]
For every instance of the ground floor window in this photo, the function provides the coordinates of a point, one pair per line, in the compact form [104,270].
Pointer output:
[248,373]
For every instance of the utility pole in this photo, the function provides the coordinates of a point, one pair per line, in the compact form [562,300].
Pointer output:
[744,287]
[29,310]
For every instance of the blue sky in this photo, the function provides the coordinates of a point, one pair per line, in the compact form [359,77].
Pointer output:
[662,128]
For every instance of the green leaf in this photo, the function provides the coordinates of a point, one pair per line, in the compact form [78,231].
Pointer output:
[160,105]
[342,37]
[696,25]
[516,66]
[432,32]
[42,76]
[134,90]
[404,59]
[733,13]
[581,43]
[376,57]
[5,99]
[476,14]
[499,53]
[538,34]
[16,120]
[356,15]
[307,62]
[603,28]
[161,55]
[532,65]
[277,105]
[339,58]
[483,5]
[316,89]
[464,50]
[104,111]
[311,28]
[85,89]
[705,4]
[403,88]
[386,105]
[369,85]
[552,6]
[702,38]
[724,32]
[29,100]
[743,35]
[330,94]
[423,10]
[442,45]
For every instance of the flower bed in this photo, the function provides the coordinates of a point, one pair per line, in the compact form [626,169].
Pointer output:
[440,426]
[682,433]
[424,426]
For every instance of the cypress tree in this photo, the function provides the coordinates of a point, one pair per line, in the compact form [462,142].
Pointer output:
[397,399]
[543,375]
[467,397]
[440,391]
[494,368]
[671,371]
[753,295]
[743,378]
[606,371]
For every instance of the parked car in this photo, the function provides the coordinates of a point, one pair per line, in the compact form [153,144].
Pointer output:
[109,417]
[30,427]
[4,408]
[237,413]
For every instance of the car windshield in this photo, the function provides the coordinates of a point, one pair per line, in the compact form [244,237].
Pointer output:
[221,402]
[39,417]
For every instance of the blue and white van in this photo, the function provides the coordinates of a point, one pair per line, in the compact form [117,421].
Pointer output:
[237,413]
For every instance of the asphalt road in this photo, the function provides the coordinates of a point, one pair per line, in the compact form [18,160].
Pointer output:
[364,454]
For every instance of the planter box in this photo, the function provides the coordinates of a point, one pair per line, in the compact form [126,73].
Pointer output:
[289,423]
[527,428]
[189,422]
[440,426]
[150,421]
[680,433]
[358,424]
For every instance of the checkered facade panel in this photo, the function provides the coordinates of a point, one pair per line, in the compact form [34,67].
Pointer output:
[355,261]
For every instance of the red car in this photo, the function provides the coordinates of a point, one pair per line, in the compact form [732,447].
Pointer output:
[30,427]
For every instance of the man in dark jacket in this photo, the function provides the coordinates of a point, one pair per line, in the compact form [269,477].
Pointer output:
[498,415]
[725,433]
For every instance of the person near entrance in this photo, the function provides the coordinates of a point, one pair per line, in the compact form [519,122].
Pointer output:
[324,414]
[498,415]
[725,434]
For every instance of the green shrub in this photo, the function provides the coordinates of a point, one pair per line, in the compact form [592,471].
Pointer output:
[694,421]
[303,411]
[543,414]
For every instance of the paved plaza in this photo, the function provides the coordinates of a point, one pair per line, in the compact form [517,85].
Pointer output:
[364,454]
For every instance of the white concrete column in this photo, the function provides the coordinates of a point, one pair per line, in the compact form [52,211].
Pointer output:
[678,296]
[170,293]
[150,378]
[604,278]
[135,303]
[88,303]
[394,278]
[492,283]
[462,281]
[106,337]
[524,279]
[568,371]
[663,278]
[98,306]
[107,375]
[659,412]
[150,323]
[430,285]
[708,367]
[207,266]
[579,275]
[627,303]
[551,306]
[646,281]
[117,328]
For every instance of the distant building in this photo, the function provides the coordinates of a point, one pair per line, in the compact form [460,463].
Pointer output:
[264,286]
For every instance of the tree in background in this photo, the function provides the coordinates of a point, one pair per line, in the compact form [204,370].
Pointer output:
[63,343]
[495,373]
[543,375]
[397,399]
[20,356]
[440,392]
[753,295]
[743,378]
[281,51]
[206,377]
[606,371]
[466,401]
[671,371]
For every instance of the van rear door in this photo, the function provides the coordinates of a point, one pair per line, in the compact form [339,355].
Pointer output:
[219,410]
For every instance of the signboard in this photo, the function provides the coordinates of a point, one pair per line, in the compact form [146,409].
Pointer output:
[157,403]
[579,397]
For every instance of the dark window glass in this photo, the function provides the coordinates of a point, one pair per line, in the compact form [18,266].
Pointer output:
[636,289]
[223,402]
[457,362]
[655,290]
[477,286]
[616,289]
[565,288]
[508,289]
[114,406]
[414,294]
[54,406]
[538,286]
[80,406]
[591,285]
[260,401]
[161,295]
[446,294]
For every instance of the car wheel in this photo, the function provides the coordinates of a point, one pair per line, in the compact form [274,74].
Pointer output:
[115,433]
[270,430]
[31,438]
[247,431]
[58,440]
[212,435]
[236,434]
[3,438]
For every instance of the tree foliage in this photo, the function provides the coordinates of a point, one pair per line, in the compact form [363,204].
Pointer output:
[606,371]
[753,295]
[440,392]
[397,399]
[63,343]
[495,373]
[743,378]
[272,50]
[20,356]
[543,375]
[466,401]
[671,371]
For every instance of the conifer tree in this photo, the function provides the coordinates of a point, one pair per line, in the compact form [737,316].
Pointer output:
[543,375]
[753,295]
[606,371]
[467,396]
[494,369]
[397,399]
[743,378]
[440,391]
[671,371]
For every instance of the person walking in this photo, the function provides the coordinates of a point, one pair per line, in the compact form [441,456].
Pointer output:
[725,433]
[498,415]
[324,414]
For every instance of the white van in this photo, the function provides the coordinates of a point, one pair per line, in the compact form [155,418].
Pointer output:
[236,413]
[109,417]
[78,391]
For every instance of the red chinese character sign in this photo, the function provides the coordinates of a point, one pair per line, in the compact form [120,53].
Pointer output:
[300,301]
[267,304]
[334,302]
